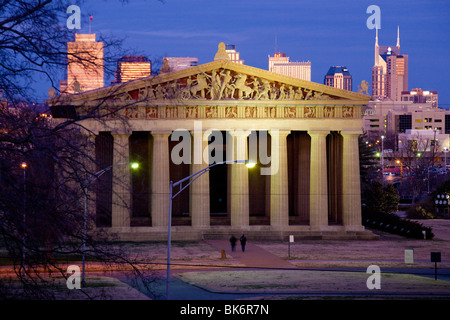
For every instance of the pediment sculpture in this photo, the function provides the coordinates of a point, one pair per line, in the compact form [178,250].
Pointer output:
[223,84]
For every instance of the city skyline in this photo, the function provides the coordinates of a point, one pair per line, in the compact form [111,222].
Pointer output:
[327,33]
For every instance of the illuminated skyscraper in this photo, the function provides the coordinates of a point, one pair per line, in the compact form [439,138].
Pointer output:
[132,68]
[390,71]
[279,63]
[338,77]
[233,54]
[171,64]
[84,65]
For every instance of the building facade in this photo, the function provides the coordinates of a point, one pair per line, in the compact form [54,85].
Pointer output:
[390,71]
[280,63]
[394,117]
[418,95]
[233,54]
[84,66]
[171,64]
[178,123]
[338,77]
[132,68]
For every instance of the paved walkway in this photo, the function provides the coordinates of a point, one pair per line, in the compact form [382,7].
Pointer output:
[253,256]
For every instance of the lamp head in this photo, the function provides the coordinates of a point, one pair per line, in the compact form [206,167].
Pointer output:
[250,163]
[134,165]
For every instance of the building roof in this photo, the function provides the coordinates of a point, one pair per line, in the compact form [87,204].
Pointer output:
[338,69]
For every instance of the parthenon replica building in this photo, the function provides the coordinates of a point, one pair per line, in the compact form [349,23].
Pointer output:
[303,136]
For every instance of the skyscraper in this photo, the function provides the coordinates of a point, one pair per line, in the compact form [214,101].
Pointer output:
[84,65]
[171,64]
[338,77]
[417,95]
[390,71]
[132,68]
[280,63]
[233,54]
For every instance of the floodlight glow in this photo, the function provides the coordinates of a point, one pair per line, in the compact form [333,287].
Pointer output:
[134,165]
[250,164]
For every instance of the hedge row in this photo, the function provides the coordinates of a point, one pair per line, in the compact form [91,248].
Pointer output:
[394,224]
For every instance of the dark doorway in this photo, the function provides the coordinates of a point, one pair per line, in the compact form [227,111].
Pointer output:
[140,145]
[218,181]
[180,204]
[104,145]
[299,154]
[258,184]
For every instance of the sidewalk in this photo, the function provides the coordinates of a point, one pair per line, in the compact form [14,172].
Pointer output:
[254,256]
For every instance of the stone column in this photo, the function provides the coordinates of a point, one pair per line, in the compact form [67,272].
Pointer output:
[121,195]
[91,168]
[199,189]
[318,209]
[279,197]
[239,181]
[160,179]
[351,185]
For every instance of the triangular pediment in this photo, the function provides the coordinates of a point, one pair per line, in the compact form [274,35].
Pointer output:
[218,81]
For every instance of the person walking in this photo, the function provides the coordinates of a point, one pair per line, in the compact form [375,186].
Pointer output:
[233,243]
[243,240]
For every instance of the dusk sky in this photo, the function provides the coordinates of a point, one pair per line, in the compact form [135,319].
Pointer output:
[325,32]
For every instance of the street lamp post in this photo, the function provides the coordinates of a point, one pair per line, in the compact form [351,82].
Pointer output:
[89,180]
[188,180]
[24,166]
[382,153]
[445,149]
[401,167]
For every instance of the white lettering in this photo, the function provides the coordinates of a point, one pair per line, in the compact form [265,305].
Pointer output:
[374,21]
[74,21]
[374,281]
[74,280]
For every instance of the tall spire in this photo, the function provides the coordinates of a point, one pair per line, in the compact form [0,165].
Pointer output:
[376,36]
[376,47]
[398,36]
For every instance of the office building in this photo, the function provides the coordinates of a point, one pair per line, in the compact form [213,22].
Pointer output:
[132,68]
[280,63]
[338,77]
[233,54]
[84,65]
[417,95]
[390,71]
[171,64]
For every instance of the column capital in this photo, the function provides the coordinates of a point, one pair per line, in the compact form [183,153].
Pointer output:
[239,133]
[318,132]
[351,132]
[280,132]
[161,132]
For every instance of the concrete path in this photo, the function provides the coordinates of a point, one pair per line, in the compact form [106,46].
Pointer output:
[253,256]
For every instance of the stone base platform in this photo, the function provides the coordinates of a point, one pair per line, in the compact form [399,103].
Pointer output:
[258,233]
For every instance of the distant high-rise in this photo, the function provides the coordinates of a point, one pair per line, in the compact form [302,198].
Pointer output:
[171,64]
[280,63]
[390,71]
[132,68]
[418,95]
[233,54]
[84,65]
[338,77]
